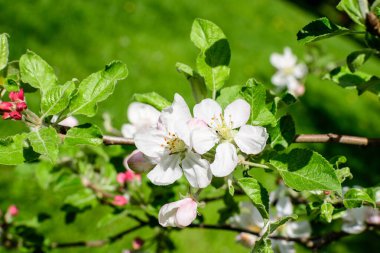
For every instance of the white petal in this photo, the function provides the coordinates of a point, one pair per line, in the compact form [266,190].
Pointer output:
[292,83]
[279,79]
[354,220]
[195,123]
[69,122]
[203,139]
[186,213]
[298,229]
[300,70]
[277,60]
[289,58]
[251,139]
[250,216]
[167,171]
[167,214]
[237,113]
[128,130]
[196,170]
[208,110]
[177,112]
[142,115]
[284,207]
[282,246]
[353,228]
[225,160]
[151,142]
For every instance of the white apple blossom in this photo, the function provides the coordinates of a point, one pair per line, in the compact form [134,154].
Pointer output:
[355,220]
[68,122]
[288,73]
[140,116]
[169,145]
[178,214]
[228,130]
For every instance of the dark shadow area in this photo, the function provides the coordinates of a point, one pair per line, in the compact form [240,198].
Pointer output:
[219,54]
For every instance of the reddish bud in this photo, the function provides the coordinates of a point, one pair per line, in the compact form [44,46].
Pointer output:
[6,115]
[120,200]
[131,176]
[327,192]
[6,106]
[16,115]
[137,243]
[20,106]
[120,178]
[17,95]
[12,210]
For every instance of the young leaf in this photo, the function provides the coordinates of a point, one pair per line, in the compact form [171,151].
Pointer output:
[4,50]
[11,150]
[255,94]
[353,10]
[321,28]
[45,142]
[257,193]
[228,95]
[37,72]
[96,88]
[327,210]
[264,245]
[57,99]
[306,170]
[356,198]
[84,134]
[43,174]
[281,221]
[282,135]
[356,59]
[205,34]
[197,82]
[152,98]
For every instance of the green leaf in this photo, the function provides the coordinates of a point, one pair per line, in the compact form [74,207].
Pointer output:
[196,81]
[281,221]
[81,199]
[152,98]
[45,142]
[321,28]
[352,8]
[57,99]
[356,198]
[343,174]
[11,150]
[43,174]
[205,34]
[327,210]
[37,72]
[228,95]
[215,77]
[264,245]
[255,94]
[84,134]
[96,88]
[257,193]
[282,135]
[356,59]
[306,170]
[4,50]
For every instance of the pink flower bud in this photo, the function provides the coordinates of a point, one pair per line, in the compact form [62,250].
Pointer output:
[12,210]
[6,106]
[130,176]
[138,162]
[20,106]
[6,115]
[120,200]
[178,214]
[137,243]
[120,178]
[17,95]
[16,115]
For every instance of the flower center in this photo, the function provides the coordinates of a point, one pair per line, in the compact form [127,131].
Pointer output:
[289,70]
[175,144]
[223,129]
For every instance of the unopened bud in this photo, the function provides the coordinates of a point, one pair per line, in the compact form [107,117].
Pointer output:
[120,200]
[6,115]
[6,106]
[137,243]
[17,95]
[16,115]
[12,210]
[138,162]
[20,106]
[327,192]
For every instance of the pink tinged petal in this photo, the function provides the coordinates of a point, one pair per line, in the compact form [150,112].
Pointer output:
[298,229]
[69,122]
[196,123]
[138,162]
[120,178]
[237,113]
[196,170]
[251,139]
[208,110]
[167,214]
[128,130]
[279,79]
[186,213]
[151,142]
[203,139]
[167,171]
[225,160]
[292,83]
[142,115]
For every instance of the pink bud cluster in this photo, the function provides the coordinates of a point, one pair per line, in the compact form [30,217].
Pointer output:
[127,177]
[14,108]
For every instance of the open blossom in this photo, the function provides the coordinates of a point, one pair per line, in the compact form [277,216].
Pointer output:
[288,73]
[178,214]
[169,145]
[228,130]
[140,116]
[355,220]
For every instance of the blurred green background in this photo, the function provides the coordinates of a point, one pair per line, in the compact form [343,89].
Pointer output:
[80,37]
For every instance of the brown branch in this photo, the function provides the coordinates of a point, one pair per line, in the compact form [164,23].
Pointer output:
[337,138]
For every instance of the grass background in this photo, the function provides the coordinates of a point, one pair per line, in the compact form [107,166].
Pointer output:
[80,37]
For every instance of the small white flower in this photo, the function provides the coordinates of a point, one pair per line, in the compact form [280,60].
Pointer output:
[169,145]
[288,72]
[178,214]
[68,122]
[140,116]
[222,130]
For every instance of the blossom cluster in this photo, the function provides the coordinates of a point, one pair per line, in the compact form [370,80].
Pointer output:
[14,108]
[173,143]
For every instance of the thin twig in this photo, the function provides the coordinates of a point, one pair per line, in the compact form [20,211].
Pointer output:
[343,139]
